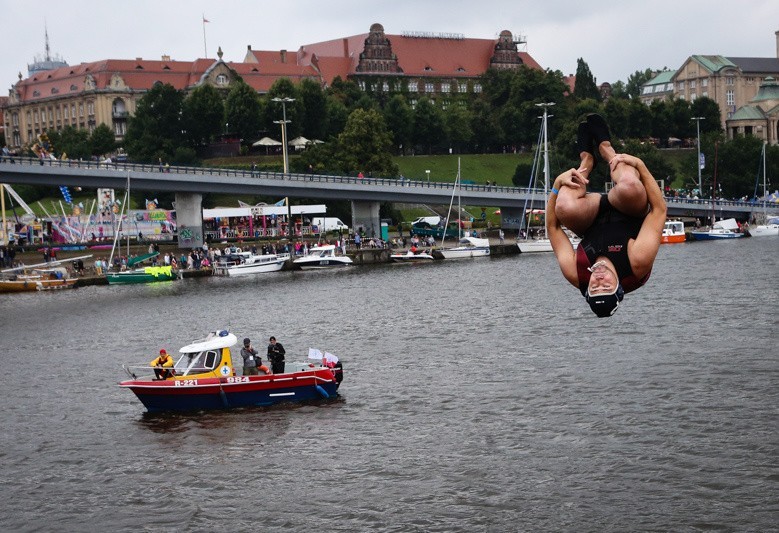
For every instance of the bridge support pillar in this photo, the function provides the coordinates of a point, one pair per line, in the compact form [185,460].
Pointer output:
[365,215]
[189,219]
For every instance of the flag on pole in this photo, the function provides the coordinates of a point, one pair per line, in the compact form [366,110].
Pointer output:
[205,19]
[281,203]
[313,353]
[330,358]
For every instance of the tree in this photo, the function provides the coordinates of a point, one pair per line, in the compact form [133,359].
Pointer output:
[155,130]
[365,145]
[295,111]
[636,80]
[428,124]
[72,142]
[710,111]
[102,141]
[242,112]
[202,115]
[585,86]
[399,118]
[458,125]
[314,103]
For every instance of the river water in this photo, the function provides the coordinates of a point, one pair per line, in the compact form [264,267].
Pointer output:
[479,395]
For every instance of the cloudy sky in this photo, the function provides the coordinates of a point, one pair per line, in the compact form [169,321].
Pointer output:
[614,38]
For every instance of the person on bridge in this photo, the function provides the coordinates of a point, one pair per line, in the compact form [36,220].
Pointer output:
[620,230]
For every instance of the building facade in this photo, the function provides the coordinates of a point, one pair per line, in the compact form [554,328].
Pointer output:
[106,92]
[732,82]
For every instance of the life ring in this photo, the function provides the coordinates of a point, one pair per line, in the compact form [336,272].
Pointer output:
[264,369]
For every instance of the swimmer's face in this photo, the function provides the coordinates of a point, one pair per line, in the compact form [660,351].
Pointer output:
[603,279]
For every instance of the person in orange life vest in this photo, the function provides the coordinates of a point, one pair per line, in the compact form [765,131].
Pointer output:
[162,364]
[620,230]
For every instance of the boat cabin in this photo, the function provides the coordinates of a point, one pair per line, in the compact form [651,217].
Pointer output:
[207,358]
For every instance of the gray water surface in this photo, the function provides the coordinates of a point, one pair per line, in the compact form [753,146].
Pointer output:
[479,395]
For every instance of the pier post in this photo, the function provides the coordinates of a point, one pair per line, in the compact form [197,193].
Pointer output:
[189,219]
[365,215]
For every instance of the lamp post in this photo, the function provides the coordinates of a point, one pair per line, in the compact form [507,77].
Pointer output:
[698,124]
[283,123]
[428,176]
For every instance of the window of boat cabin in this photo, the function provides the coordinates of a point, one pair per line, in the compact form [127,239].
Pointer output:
[195,363]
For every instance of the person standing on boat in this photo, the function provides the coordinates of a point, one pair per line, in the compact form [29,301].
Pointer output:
[620,230]
[162,364]
[276,356]
[250,359]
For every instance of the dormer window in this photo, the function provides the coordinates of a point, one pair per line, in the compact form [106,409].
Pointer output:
[221,79]
[138,67]
[73,88]
[460,69]
[54,90]
[36,93]
[428,68]
[166,67]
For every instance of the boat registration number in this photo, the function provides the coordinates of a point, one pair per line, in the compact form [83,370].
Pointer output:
[186,382]
[238,379]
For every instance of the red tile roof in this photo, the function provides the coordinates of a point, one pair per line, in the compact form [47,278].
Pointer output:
[417,56]
[142,74]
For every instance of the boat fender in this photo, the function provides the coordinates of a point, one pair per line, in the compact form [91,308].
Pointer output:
[322,391]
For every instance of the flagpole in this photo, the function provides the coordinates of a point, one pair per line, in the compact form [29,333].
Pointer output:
[205,48]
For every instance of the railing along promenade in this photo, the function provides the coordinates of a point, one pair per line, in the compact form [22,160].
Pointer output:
[307,185]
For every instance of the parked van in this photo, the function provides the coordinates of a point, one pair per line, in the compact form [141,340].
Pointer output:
[325,224]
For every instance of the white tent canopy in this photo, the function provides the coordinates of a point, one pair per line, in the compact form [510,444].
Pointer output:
[299,141]
[267,141]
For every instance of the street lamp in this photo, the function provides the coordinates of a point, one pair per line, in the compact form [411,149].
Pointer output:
[283,123]
[428,176]
[698,124]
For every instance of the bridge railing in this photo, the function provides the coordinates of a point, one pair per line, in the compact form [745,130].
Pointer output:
[321,178]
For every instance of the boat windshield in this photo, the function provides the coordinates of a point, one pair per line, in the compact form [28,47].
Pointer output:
[197,362]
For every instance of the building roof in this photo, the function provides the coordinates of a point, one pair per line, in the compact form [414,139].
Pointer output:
[713,63]
[756,65]
[748,112]
[449,57]
[769,90]
[662,77]
[142,74]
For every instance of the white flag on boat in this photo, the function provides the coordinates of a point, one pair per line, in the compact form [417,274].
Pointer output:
[330,358]
[313,353]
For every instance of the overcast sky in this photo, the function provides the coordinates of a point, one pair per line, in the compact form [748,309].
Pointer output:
[614,38]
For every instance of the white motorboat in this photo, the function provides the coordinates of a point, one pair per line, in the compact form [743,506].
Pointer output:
[673,232]
[411,256]
[244,263]
[468,247]
[320,257]
[768,225]
[769,229]
[722,229]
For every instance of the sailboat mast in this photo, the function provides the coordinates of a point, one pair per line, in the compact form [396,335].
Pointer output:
[765,188]
[546,106]
[459,205]
[128,213]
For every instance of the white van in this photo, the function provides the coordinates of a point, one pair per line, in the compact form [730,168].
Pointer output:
[326,224]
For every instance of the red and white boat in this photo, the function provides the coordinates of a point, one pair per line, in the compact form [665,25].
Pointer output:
[204,378]
[673,232]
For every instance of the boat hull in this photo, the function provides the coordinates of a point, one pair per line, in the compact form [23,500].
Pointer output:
[148,275]
[32,285]
[673,239]
[770,230]
[533,246]
[233,391]
[245,270]
[712,236]
[411,258]
[323,263]
[464,253]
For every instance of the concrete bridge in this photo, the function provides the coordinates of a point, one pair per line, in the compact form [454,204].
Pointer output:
[365,194]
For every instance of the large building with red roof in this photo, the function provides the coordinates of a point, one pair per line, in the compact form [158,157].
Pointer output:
[107,91]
